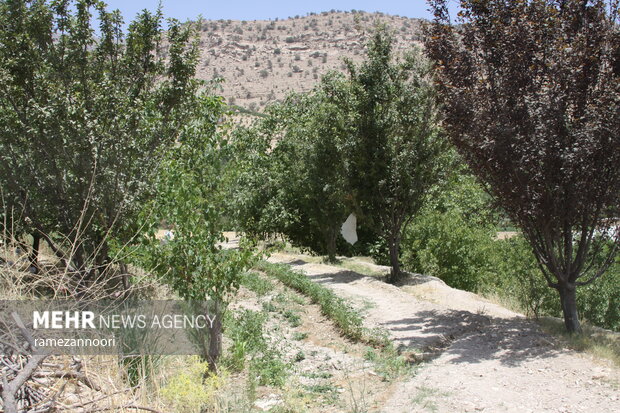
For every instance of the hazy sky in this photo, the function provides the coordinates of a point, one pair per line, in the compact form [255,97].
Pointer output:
[262,10]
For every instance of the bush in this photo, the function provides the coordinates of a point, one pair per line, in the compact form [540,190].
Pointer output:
[468,258]
[452,238]
[248,339]
[193,388]
[448,247]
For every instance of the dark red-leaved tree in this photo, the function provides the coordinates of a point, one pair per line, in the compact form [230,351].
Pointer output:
[531,90]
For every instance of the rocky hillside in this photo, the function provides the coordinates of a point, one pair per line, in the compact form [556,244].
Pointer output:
[262,60]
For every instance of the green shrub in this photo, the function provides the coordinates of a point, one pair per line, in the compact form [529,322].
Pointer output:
[269,368]
[346,319]
[254,282]
[246,331]
[598,302]
[448,247]
[452,242]
[193,388]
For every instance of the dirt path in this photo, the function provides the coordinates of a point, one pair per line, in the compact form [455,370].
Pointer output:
[479,356]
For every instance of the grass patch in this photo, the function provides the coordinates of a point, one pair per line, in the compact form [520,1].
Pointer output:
[254,282]
[389,363]
[424,398]
[321,388]
[318,375]
[346,319]
[293,318]
[596,341]
[360,268]
[297,336]
[246,331]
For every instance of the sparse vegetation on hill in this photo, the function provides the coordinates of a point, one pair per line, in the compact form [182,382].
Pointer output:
[262,61]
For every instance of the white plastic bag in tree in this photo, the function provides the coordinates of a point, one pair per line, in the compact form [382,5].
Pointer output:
[348,230]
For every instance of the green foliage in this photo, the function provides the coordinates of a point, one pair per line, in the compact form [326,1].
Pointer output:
[448,247]
[291,172]
[139,369]
[531,90]
[518,276]
[254,282]
[396,153]
[86,118]
[389,364]
[191,389]
[452,237]
[190,199]
[347,319]
[269,368]
[368,142]
[246,331]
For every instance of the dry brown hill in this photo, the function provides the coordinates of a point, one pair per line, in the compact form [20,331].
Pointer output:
[262,60]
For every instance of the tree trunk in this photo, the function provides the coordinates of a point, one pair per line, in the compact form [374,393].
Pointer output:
[215,340]
[331,246]
[568,298]
[395,274]
[34,253]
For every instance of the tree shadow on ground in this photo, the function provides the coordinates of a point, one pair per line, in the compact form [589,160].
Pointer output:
[463,336]
[466,337]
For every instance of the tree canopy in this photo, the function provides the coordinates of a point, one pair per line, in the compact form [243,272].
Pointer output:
[531,91]
[397,152]
[86,115]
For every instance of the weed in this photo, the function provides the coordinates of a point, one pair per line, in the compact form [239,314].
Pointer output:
[269,368]
[192,388]
[321,388]
[297,336]
[319,375]
[424,396]
[389,364]
[254,282]
[335,308]
[357,391]
[268,306]
[246,333]
[293,318]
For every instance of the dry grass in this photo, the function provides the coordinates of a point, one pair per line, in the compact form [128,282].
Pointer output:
[596,341]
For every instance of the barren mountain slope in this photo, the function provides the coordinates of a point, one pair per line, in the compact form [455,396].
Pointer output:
[261,60]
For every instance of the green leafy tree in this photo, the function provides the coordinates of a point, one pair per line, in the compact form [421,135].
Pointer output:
[531,91]
[85,118]
[397,150]
[294,181]
[191,199]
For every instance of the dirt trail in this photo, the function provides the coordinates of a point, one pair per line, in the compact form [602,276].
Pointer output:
[479,356]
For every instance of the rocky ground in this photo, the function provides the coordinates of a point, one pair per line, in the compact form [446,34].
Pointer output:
[477,355]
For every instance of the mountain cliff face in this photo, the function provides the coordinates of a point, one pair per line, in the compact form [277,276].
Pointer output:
[262,60]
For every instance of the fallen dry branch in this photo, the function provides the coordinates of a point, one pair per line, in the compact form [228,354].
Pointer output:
[127,406]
